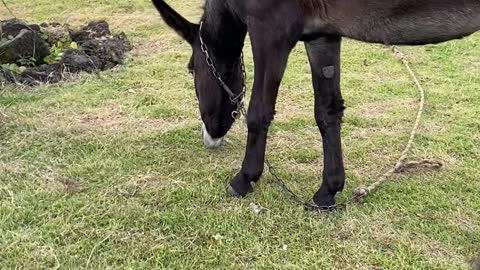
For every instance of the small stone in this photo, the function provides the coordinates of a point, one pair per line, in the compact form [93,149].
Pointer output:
[256,209]
[217,237]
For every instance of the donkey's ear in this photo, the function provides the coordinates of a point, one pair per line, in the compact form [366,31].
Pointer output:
[184,28]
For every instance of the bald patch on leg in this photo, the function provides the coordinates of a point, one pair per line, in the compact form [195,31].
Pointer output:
[328,72]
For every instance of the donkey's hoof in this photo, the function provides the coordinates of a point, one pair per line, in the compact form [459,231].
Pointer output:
[325,202]
[238,190]
[231,191]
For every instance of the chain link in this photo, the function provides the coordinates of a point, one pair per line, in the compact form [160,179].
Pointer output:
[307,205]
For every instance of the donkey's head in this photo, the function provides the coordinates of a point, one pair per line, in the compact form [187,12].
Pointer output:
[215,104]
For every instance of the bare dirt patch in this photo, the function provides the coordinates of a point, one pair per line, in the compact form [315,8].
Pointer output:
[64,185]
[475,263]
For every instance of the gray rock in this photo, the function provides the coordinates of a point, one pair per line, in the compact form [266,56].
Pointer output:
[55,33]
[93,30]
[76,61]
[110,51]
[11,28]
[37,75]
[25,45]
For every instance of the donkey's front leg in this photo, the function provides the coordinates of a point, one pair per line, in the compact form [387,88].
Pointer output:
[270,53]
[324,57]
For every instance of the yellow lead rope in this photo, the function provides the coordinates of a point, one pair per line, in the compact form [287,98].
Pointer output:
[361,192]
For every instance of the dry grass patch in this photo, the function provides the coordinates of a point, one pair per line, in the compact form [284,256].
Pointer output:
[133,237]
[370,132]
[64,185]
[4,118]
[432,128]
[388,239]
[381,108]
[150,48]
[301,138]
[467,222]
[11,167]
[107,118]
[131,22]
[151,182]
[472,65]
[401,129]
[287,109]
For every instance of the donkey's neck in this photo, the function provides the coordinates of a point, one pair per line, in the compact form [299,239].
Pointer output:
[223,31]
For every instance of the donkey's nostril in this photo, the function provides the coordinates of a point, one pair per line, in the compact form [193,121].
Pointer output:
[208,141]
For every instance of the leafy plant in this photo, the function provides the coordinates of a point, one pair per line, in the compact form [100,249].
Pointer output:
[57,51]
[12,68]
[56,54]
[43,34]
[27,62]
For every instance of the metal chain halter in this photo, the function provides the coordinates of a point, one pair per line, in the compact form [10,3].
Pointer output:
[237,100]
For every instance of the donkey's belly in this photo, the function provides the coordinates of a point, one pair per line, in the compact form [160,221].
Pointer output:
[414,30]
[408,22]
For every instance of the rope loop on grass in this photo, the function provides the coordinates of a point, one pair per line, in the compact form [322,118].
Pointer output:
[402,164]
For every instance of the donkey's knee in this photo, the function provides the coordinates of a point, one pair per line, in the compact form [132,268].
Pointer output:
[331,114]
[258,121]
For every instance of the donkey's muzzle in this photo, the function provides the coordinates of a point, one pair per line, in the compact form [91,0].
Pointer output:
[208,141]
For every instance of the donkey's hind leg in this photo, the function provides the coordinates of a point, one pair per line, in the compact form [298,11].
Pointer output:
[324,57]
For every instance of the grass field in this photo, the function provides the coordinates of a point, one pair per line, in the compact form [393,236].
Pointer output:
[110,172]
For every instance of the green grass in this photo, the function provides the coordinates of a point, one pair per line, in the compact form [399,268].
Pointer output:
[110,171]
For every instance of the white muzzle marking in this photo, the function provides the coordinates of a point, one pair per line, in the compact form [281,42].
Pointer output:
[208,141]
